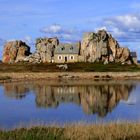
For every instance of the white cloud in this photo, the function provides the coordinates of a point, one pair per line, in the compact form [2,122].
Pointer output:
[117,32]
[55,28]
[64,34]
[124,27]
[129,22]
[101,28]
[27,39]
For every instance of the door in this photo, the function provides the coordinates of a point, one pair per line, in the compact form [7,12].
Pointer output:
[66,59]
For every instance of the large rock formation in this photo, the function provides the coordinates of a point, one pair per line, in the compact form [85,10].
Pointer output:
[45,47]
[44,50]
[15,51]
[94,47]
[101,46]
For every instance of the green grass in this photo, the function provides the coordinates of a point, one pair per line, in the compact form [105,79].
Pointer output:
[112,131]
[72,67]
[99,67]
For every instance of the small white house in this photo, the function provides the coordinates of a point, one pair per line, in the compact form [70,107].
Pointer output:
[66,53]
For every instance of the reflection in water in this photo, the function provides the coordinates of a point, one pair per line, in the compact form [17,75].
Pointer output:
[97,98]
[15,90]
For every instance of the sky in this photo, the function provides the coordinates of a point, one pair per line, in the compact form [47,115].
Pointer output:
[69,19]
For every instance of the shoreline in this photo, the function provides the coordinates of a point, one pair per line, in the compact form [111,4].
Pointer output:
[25,76]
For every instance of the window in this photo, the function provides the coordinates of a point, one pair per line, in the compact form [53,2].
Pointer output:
[63,48]
[71,48]
[72,57]
[60,57]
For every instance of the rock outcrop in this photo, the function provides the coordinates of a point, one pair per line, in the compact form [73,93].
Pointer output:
[94,47]
[102,47]
[44,50]
[15,51]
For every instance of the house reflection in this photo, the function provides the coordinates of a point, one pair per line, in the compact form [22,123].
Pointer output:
[94,99]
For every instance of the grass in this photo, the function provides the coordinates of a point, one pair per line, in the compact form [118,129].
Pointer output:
[112,131]
[72,67]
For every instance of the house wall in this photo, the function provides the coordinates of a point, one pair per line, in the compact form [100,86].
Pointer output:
[65,58]
[135,60]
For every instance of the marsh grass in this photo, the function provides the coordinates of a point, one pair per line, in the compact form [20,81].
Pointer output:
[111,131]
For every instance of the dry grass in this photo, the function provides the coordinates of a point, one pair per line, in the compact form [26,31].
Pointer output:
[112,131]
[103,132]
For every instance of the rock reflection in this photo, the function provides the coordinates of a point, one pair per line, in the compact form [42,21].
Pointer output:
[15,90]
[100,98]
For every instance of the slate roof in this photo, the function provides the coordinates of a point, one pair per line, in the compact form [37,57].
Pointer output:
[133,54]
[67,49]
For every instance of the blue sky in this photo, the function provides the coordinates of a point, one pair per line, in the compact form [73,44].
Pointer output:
[69,19]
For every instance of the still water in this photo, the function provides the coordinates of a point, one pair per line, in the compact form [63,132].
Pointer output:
[68,102]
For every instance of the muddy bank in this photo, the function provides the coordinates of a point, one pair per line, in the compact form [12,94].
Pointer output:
[4,77]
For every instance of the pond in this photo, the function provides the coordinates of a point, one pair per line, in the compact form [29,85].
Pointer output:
[60,102]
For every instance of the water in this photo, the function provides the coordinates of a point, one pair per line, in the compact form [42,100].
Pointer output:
[68,102]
